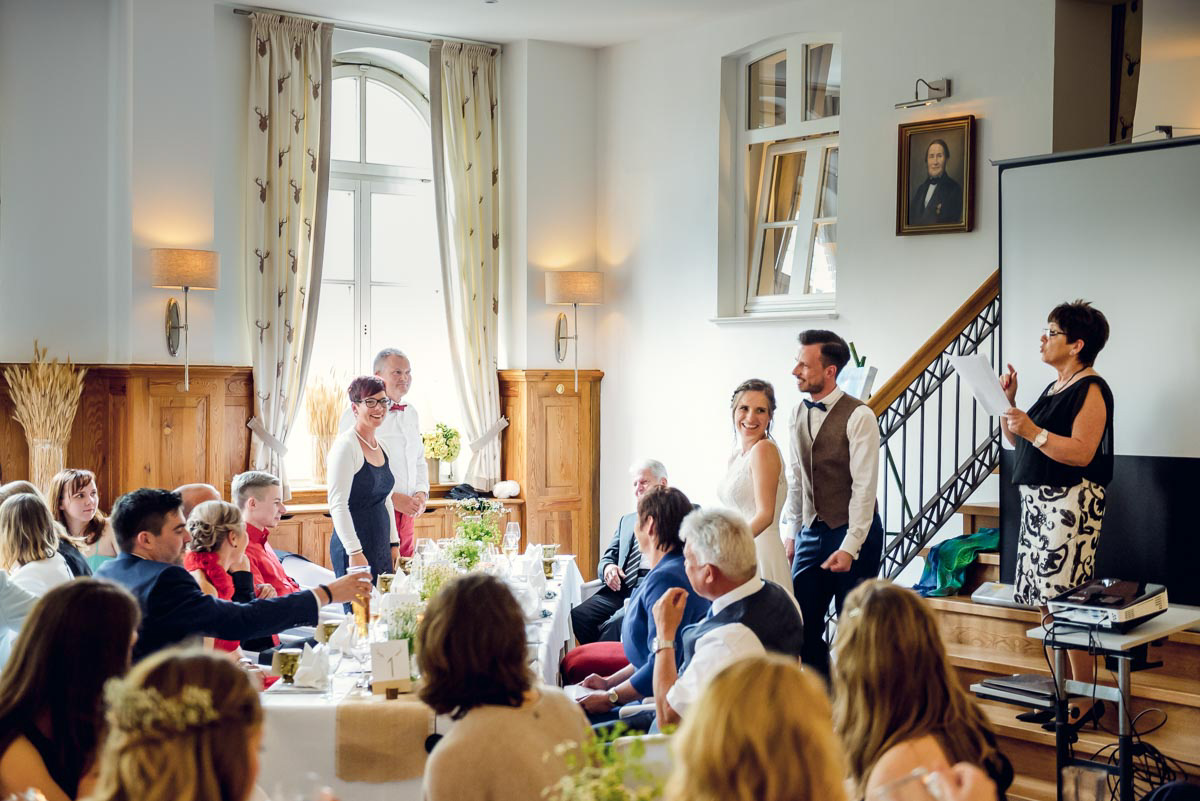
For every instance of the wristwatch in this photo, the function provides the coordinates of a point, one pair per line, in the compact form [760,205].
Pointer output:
[613,698]
[1040,439]
[659,644]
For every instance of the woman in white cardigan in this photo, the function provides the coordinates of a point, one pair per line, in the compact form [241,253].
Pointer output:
[360,486]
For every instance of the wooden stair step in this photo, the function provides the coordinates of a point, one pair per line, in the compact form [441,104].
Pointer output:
[1030,788]
[982,557]
[981,509]
[1147,684]
[1002,718]
[964,605]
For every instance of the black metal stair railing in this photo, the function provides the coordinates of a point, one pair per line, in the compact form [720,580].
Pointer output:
[936,447]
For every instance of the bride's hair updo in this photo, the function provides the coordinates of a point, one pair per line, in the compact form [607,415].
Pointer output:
[755,385]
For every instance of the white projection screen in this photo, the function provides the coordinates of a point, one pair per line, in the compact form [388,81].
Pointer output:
[1119,227]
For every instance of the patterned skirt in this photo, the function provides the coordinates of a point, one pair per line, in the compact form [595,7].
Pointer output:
[1057,546]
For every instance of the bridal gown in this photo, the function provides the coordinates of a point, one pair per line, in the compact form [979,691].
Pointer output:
[736,491]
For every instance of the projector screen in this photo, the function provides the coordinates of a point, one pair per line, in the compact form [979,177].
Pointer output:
[1119,227]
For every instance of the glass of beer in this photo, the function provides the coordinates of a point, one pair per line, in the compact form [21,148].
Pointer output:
[287,661]
[548,554]
[361,606]
[325,630]
[405,563]
[384,582]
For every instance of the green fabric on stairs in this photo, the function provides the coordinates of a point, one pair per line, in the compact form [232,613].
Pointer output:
[947,562]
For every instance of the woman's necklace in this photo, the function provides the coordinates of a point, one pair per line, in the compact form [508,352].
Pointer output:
[1059,386]
[374,447]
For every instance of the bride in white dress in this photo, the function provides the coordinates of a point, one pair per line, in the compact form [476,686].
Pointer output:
[754,483]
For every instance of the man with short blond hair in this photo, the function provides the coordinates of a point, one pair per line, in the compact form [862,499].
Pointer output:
[259,496]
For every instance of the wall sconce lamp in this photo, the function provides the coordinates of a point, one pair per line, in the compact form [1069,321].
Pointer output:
[938,90]
[172,268]
[573,288]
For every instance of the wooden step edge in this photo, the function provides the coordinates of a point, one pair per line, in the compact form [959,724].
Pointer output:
[1146,685]
[1031,788]
[963,605]
[981,509]
[982,557]
[1002,718]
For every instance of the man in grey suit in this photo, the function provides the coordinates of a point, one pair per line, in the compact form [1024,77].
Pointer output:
[599,617]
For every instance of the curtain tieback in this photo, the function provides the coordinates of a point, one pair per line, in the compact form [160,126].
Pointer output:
[269,439]
[486,437]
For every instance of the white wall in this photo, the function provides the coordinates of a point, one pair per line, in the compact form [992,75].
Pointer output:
[549,129]
[669,371]
[1167,88]
[122,127]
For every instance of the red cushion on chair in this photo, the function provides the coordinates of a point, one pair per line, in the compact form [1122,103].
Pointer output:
[595,657]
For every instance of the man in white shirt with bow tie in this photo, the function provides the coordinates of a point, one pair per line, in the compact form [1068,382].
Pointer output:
[833,480]
[401,434]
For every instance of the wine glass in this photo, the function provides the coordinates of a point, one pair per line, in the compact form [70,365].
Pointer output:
[512,540]
[361,651]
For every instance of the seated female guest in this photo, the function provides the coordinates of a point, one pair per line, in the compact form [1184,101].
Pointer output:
[29,544]
[185,724]
[1062,464]
[216,556]
[897,704]
[75,503]
[360,486]
[764,707]
[77,637]
[475,668]
[660,513]
[67,545]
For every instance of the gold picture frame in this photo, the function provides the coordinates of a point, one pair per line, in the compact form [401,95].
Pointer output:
[935,177]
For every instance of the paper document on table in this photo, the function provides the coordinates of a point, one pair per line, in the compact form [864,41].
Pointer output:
[984,384]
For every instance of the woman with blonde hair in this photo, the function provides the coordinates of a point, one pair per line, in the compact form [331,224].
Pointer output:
[185,725]
[766,750]
[29,544]
[216,556]
[898,705]
[67,545]
[75,504]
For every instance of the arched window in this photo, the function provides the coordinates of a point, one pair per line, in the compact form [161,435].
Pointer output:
[381,285]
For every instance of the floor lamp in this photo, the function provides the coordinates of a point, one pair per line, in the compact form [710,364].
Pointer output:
[175,268]
[572,288]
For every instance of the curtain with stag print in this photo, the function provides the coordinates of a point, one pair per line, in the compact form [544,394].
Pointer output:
[464,106]
[287,178]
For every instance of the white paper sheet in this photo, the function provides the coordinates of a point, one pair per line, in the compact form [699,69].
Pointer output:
[976,371]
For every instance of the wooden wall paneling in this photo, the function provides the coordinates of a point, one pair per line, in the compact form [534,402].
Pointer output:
[316,540]
[287,536]
[552,448]
[239,408]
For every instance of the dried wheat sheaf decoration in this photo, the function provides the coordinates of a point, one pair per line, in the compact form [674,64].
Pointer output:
[45,396]
[324,401]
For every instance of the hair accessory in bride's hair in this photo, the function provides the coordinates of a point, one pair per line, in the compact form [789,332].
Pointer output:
[144,711]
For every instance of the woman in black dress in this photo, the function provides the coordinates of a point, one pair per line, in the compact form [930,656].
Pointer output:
[360,486]
[1063,462]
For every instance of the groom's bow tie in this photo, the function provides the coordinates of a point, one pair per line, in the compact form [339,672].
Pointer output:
[814,404]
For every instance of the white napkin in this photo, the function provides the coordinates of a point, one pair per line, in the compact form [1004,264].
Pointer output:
[342,638]
[528,598]
[314,668]
[399,584]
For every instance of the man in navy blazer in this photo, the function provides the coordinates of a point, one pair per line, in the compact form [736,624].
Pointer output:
[599,617]
[151,536]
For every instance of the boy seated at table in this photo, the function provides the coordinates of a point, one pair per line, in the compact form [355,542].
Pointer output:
[259,496]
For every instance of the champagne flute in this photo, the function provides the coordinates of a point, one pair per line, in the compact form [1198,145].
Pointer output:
[512,540]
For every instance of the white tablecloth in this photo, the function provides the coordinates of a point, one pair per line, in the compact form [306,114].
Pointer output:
[299,729]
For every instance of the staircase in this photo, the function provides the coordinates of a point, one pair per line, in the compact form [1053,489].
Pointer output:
[936,449]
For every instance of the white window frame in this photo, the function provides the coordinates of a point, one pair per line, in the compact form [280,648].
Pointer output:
[812,188]
[737,304]
[364,179]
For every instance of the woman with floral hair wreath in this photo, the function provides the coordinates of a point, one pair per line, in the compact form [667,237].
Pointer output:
[184,726]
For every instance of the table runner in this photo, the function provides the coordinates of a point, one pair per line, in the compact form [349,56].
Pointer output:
[381,741]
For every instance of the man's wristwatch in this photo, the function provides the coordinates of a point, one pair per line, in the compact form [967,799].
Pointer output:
[613,697]
[1040,439]
[659,644]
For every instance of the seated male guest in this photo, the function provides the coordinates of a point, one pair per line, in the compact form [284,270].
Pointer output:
[748,617]
[151,536]
[195,494]
[660,512]
[259,496]
[599,618]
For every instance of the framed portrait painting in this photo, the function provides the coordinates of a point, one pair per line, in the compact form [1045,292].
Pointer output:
[935,185]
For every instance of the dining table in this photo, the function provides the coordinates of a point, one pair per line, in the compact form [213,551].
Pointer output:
[368,748]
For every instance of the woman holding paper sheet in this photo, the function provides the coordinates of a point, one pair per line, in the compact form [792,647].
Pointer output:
[1063,461]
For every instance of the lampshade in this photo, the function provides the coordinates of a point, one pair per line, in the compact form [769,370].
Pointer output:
[174,268]
[564,287]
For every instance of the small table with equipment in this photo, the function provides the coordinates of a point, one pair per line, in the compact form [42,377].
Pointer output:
[1129,651]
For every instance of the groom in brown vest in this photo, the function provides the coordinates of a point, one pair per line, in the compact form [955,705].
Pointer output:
[831,491]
